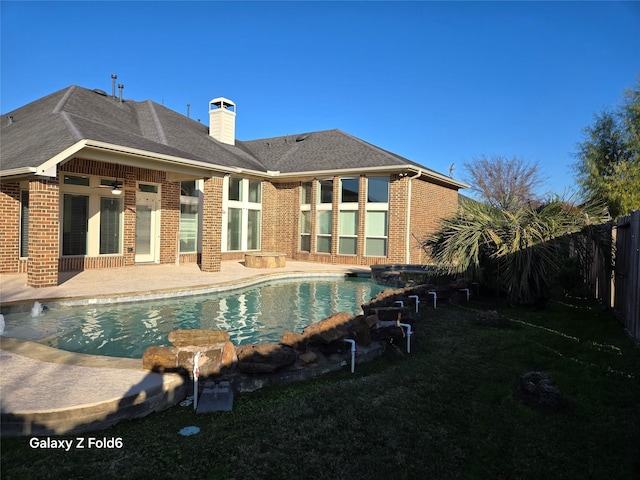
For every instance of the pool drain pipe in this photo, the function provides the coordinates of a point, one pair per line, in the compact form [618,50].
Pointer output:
[409,333]
[417,301]
[353,353]
[196,374]
[465,290]
[400,302]
[435,297]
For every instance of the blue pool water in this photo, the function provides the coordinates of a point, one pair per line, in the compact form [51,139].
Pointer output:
[256,314]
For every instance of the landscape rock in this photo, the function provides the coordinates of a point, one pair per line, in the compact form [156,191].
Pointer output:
[160,359]
[328,330]
[293,340]
[539,391]
[265,357]
[308,357]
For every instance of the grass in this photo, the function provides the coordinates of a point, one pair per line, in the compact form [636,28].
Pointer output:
[445,411]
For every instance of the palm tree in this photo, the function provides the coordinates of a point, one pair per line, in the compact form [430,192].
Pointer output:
[519,251]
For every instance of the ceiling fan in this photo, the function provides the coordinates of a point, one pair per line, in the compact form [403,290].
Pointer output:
[115,186]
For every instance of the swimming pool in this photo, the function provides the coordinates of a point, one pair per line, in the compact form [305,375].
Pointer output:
[256,314]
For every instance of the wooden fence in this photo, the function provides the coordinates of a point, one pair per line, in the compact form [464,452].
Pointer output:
[614,276]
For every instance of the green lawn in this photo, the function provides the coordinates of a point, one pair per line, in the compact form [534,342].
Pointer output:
[445,411]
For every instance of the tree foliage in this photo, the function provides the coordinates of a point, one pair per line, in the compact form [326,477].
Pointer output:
[507,183]
[519,251]
[608,166]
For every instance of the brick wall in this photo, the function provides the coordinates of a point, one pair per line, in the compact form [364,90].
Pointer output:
[430,203]
[211,224]
[42,268]
[170,222]
[398,202]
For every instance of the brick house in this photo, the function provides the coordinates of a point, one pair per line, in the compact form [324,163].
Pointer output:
[91,180]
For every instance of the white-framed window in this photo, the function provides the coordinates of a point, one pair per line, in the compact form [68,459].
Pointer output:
[24,223]
[92,222]
[324,216]
[377,217]
[306,189]
[242,205]
[348,216]
[189,215]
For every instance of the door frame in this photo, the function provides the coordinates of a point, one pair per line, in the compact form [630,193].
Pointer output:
[152,200]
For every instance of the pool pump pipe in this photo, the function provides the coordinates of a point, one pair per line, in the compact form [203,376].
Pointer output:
[435,297]
[196,374]
[400,302]
[417,301]
[465,290]
[409,333]
[353,353]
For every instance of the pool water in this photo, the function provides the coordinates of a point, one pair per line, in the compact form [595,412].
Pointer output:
[257,314]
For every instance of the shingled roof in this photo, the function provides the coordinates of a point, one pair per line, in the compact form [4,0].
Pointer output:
[42,130]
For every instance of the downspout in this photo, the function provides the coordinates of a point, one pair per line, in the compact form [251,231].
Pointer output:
[408,217]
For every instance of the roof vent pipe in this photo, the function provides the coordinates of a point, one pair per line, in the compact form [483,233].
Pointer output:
[120,87]
[188,108]
[9,119]
[113,85]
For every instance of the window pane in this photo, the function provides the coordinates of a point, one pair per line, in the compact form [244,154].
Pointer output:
[376,225]
[24,223]
[324,245]
[305,243]
[75,180]
[148,188]
[378,189]
[376,247]
[326,191]
[234,229]
[348,222]
[254,191]
[109,225]
[188,227]
[235,189]
[305,222]
[188,188]
[324,223]
[349,190]
[305,195]
[75,224]
[347,246]
[253,230]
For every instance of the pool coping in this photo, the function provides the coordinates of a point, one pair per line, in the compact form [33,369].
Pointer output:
[157,392]
[162,293]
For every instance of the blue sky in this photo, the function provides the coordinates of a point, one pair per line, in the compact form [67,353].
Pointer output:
[438,83]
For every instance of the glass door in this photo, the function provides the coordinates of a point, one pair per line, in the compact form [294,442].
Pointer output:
[146,228]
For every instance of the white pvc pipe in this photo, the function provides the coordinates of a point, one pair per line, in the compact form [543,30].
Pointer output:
[435,297]
[400,302]
[408,327]
[417,301]
[196,374]
[465,290]
[353,353]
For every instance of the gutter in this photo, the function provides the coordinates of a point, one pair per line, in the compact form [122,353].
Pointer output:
[49,167]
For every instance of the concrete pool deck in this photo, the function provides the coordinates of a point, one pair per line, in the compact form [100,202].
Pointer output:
[46,391]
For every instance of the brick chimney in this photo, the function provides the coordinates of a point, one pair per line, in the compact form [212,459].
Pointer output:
[222,120]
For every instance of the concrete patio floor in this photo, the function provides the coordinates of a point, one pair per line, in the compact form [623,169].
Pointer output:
[45,391]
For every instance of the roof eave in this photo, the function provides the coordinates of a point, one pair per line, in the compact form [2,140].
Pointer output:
[388,169]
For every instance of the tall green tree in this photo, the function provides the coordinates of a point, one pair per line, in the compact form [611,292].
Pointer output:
[608,166]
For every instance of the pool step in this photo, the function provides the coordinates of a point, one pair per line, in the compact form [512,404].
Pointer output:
[215,398]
